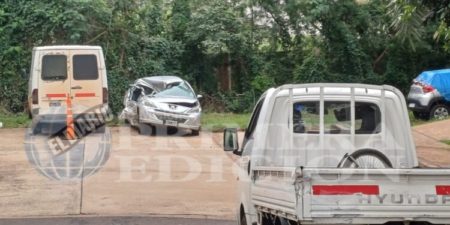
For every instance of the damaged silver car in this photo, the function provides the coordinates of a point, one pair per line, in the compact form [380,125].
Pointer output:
[167,101]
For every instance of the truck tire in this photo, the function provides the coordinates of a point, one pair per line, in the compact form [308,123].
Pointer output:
[242,218]
[361,158]
[440,112]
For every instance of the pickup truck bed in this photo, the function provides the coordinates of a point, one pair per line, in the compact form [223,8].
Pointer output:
[353,196]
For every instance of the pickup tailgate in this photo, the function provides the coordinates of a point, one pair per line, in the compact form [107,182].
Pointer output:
[380,195]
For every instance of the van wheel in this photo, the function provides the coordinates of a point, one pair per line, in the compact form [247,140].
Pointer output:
[101,129]
[368,159]
[145,129]
[37,129]
[439,112]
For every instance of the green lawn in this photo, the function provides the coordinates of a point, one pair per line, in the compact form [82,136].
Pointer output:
[219,121]
[446,142]
[14,121]
[210,121]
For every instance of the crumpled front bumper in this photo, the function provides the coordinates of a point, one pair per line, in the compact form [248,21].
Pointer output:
[158,117]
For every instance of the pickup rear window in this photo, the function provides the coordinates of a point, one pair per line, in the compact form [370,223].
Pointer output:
[85,67]
[337,117]
[54,67]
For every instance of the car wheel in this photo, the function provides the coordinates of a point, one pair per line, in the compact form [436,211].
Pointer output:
[439,112]
[145,129]
[195,132]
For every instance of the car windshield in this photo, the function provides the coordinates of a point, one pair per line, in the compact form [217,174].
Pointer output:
[181,90]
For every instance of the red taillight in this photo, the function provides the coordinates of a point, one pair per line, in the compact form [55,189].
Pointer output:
[427,88]
[35,97]
[105,95]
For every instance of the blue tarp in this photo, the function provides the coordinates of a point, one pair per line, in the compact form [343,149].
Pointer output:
[439,79]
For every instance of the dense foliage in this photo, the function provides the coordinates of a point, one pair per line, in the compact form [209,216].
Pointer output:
[265,42]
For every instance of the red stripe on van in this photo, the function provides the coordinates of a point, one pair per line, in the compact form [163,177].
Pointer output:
[443,190]
[345,189]
[85,95]
[56,95]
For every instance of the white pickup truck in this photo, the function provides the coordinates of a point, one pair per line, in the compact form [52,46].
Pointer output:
[335,154]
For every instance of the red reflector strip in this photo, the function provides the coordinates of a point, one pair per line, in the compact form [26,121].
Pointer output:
[346,189]
[442,190]
[85,95]
[56,95]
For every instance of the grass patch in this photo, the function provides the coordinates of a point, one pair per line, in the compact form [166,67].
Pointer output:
[447,142]
[219,121]
[210,121]
[15,120]
[414,121]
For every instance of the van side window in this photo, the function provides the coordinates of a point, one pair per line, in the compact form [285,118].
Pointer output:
[54,67]
[85,67]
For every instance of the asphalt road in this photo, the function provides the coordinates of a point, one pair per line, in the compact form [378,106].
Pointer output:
[114,221]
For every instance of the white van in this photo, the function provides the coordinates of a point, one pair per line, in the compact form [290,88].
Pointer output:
[60,73]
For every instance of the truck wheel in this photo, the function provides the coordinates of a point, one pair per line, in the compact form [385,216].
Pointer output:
[439,112]
[145,129]
[242,218]
[367,158]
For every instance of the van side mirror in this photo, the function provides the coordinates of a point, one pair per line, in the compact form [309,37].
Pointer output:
[199,97]
[25,74]
[230,140]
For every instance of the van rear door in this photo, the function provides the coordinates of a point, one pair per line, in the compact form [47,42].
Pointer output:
[86,83]
[54,81]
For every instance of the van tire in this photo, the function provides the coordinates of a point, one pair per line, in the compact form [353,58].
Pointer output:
[145,129]
[37,129]
[440,112]
[367,152]
[101,129]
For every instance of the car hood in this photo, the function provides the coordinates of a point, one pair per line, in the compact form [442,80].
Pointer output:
[172,104]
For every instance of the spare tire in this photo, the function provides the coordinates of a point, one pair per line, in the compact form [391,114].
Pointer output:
[367,159]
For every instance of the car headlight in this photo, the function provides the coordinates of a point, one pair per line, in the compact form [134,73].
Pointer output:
[195,110]
[149,104]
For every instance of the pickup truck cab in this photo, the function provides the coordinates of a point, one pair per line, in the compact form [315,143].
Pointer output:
[335,154]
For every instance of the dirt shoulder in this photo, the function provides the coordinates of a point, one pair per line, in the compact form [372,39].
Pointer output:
[430,150]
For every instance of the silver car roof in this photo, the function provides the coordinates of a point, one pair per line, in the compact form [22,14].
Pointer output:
[157,82]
